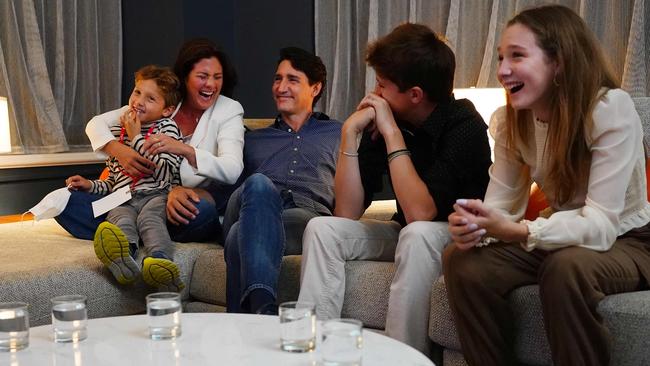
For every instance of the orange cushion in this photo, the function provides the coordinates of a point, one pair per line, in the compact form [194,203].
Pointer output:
[537,200]
[104,174]
[536,203]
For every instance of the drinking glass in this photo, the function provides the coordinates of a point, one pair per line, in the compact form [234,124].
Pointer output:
[69,318]
[297,326]
[164,310]
[341,343]
[14,326]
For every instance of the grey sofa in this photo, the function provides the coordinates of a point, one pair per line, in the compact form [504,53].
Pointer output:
[40,260]
[367,282]
[626,315]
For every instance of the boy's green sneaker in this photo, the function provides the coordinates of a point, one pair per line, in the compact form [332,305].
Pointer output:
[112,248]
[162,274]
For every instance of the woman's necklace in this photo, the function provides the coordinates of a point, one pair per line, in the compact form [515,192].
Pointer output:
[188,121]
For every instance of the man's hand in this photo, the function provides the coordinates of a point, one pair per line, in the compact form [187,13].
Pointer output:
[384,120]
[78,183]
[131,123]
[359,121]
[181,205]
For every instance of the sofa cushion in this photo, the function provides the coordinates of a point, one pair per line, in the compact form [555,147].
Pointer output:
[367,284]
[289,278]
[41,260]
[442,329]
[642,105]
[209,280]
[366,295]
[208,283]
[526,307]
[203,307]
[627,316]
[453,358]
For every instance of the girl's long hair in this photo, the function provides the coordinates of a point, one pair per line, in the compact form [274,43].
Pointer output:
[583,71]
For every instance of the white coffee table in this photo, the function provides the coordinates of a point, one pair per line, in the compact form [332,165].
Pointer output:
[207,339]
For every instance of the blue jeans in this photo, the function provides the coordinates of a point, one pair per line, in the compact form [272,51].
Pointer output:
[78,220]
[259,222]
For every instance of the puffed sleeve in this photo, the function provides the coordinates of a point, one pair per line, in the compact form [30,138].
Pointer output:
[98,128]
[220,156]
[510,179]
[616,139]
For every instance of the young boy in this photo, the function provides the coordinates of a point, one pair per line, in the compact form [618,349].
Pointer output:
[152,101]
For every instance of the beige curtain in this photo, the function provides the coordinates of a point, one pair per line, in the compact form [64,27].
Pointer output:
[344,27]
[60,64]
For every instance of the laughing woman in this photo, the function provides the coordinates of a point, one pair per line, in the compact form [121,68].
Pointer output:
[213,139]
[568,128]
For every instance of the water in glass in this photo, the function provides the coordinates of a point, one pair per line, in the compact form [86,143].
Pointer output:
[342,342]
[297,327]
[164,318]
[69,321]
[14,326]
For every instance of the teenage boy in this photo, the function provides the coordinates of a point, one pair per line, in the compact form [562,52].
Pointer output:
[434,149]
[288,179]
[152,101]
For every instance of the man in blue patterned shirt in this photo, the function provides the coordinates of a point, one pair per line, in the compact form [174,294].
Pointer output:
[288,179]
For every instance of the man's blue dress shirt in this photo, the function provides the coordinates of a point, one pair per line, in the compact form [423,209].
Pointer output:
[301,163]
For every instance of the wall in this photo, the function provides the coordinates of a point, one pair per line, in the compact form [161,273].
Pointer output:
[152,30]
[251,32]
[22,188]
[261,29]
